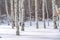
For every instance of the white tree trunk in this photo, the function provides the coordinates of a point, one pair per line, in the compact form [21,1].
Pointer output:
[54,15]
[57,12]
[20,12]
[16,2]
[29,5]
[36,13]
[12,14]
[47,12]
[6,6]
[43,12]
[22,21]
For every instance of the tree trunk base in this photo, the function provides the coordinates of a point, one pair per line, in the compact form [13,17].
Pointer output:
[30,24]
[13,25]
[37,25]
[0,37]
[17,30]
[17,33]
[22,29]
[44,25]
[55,26]
[48,23]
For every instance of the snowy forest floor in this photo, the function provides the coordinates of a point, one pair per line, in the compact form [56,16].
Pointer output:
[30,33]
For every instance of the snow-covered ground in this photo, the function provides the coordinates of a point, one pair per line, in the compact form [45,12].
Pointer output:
[30,33]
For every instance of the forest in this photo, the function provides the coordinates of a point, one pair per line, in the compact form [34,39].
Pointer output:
[32,7]
[17,12]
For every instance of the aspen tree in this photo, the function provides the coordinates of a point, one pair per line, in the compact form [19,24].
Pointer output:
[12,13]
[36,13]
[16,2]
[20,12]
[29,5]
[6,6]
[23,12]
[57,14]
[54,16]
[43,12]
[47,11]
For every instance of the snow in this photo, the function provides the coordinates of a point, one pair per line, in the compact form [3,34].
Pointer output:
[30,33]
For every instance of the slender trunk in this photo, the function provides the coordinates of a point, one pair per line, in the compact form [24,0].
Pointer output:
[58,20]
[22,23]
[16,16]
[12,14]
[47,12]
[0,7]
[57,14]
[0,14]
[36,14]
[6,6]
[54,16]
[43,11]
[29,4]
[0,11]
[20,12]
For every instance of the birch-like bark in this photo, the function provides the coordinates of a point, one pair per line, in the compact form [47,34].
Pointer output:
[43,12]
[6,6]
[29,5]
[54,11]
[12,14]
[23,12]
[57,14]
[36,13]
[20,12]
[47,11]
[16,2]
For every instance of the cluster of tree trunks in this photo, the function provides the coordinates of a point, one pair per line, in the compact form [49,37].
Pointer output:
[18,13]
